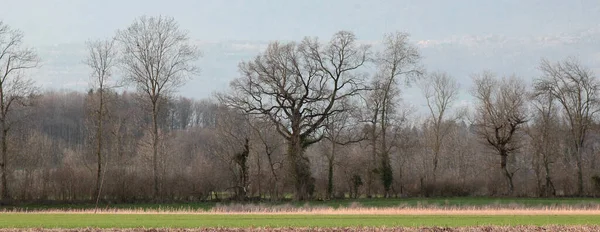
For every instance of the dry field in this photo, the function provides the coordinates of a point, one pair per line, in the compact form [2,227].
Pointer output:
[262,209]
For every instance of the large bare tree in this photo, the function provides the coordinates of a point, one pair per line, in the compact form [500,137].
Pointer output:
[577,90]
[101,59]
[16,89]
[398,59]
[297,86]
[157,57]
[440,91]
[501,112]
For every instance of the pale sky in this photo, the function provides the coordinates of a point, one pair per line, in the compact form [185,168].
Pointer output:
[460,37]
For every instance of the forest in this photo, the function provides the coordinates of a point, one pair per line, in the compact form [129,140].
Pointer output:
[306,119]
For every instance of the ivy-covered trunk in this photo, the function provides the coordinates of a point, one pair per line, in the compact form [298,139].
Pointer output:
[241,159]
[386,173]
[300,167]
[507,174]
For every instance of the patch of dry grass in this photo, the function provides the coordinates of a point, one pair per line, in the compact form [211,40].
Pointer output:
[350,210]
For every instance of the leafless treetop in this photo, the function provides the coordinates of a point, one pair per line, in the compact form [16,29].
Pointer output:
[157,56]
[15,59]
[102,57]
[297,86]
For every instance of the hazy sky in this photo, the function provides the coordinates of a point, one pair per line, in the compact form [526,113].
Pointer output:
[458,36]
[62,21]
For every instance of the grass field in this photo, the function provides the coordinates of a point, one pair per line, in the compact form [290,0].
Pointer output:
[390,213]
[19,220]
[376,202]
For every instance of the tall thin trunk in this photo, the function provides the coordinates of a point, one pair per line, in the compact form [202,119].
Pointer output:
[330,180]
[386,168]
[538,175]
[274,194]
[579,174]
[259,171]
[436,153]
[99,145]
[155,148]
[373,164]
[507,174]
[5,192]
[549,184]
[330,171]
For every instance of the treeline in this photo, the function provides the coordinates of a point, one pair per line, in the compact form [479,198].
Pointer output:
[319,120]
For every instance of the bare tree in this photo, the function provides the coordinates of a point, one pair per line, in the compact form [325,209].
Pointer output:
[157,58]
[15,88]
[398,59]
[101,59]
[269,142]
[233,132]
[501,111]
[545,137]
[340,130]
[440,90]
[297,87]
[577,90]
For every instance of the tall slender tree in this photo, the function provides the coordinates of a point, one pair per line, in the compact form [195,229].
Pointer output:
[16,89]
[101,59]
[545,133]
[398,59]
[578,92]
[157,57]
[340,130]
[440,90]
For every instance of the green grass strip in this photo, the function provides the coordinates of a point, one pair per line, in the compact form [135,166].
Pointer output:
[376,202]
[19,220]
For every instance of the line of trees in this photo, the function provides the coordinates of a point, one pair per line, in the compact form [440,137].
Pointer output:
[318,119]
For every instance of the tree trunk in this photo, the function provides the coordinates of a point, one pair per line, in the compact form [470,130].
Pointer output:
[258,177]
[99,147]
[242,160]
[274,195]
[330,179]
[374,163]
[541,190]
[507,174]
[300,169]
[5,192]
[386,167]
[579,172]
[386,174]
[549,184]
[155,149]
[436,153]
[330,160]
